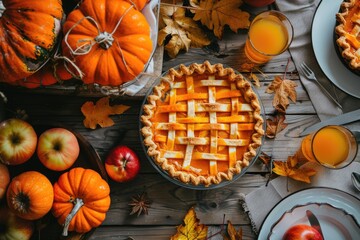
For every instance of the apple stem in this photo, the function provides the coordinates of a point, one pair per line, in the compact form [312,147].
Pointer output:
[78,204]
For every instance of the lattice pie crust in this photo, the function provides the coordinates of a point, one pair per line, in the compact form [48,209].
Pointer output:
[348,32]
[202,123]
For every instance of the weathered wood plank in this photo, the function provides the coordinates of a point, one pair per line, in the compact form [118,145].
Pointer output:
[170,201]
[158,232]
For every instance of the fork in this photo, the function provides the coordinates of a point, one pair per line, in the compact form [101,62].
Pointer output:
[309,74]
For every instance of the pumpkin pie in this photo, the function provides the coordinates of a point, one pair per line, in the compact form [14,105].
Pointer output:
[348,32]
[202,123]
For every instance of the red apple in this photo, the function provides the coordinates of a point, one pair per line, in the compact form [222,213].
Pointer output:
[17,141]
[259,3]
[13,227]
[302,232]
[122,164]
[58,149]
[4,179]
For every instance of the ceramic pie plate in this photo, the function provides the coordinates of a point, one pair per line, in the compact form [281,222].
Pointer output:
[338,213]
[88,158]
[189,185]
[325,49]
[335,222]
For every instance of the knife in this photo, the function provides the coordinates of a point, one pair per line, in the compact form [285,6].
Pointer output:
[314,222]
[338,120]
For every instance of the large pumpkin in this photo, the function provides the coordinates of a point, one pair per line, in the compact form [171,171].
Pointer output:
[81,200]
[30,195]
[28,33]
[109,41]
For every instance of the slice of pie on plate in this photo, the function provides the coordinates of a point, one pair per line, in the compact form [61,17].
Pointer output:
[202,123]
[347,32]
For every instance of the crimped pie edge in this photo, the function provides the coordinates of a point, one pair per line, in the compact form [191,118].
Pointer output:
[344,46]
[250,96]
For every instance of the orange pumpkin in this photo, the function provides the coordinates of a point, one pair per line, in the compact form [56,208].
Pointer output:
[81,200]
[4,179]
[30,195]
[139,4]
[28,32]
[53,72]
[109,41]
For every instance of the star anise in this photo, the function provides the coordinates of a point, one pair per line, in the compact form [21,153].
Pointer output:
[140,204]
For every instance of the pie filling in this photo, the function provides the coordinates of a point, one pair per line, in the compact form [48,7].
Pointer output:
[348,32]
[202,124]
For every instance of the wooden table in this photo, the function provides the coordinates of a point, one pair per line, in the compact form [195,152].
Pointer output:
[169,201]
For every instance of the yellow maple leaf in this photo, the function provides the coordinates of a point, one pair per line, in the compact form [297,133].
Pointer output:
[284,90]
[98,114]
[191,229]
[215,14]
[293,168]
[184,31]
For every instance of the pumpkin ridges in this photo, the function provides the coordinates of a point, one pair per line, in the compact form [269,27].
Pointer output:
[95,70]
[37,22]
[86,217]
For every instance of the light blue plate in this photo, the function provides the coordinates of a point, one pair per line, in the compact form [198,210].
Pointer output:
[349,204]
[322,35]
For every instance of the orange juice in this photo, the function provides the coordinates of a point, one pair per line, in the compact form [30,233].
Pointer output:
[330,146]
[270,34]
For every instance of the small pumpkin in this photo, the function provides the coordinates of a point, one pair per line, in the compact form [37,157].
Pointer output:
[28,33]
[4,179]
[109,40]
[30,195]
[81,200]
[53,72]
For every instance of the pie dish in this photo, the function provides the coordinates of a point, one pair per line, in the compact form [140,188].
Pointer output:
[202,123]
[347,32]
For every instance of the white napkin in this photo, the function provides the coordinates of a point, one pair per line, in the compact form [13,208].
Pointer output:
[300,13]
[260,202]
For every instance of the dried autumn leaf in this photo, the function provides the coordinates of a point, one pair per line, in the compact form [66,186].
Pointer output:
[184,31]
[215,14]
[266,159]
[255,80]
[231,233]
[276,125]
[293,168]
[99,113]
[284,90]
[191,229]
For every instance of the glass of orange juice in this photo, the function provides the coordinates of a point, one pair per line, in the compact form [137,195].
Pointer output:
[270,34]
[332,146]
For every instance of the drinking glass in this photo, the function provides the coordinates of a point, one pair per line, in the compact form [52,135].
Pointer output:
[332,146]
[270,34]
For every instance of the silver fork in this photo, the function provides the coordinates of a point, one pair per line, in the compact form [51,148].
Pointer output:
[309,74]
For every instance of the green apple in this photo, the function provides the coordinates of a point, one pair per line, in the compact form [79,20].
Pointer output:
[58,149]
[18,141]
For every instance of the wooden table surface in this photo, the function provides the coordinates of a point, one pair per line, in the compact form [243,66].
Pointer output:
[169,201]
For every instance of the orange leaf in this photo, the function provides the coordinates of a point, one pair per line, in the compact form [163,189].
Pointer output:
[284,90]
[275,126]
[215,14]
[232,234]
[293,168]
[191,229]
[266,159]
[98,114]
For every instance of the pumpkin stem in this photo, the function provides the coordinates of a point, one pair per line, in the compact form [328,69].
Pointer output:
[78,204]
[105,40]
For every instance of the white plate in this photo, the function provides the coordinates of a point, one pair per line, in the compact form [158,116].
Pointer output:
[322,35]
[335,222]
[336,198]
